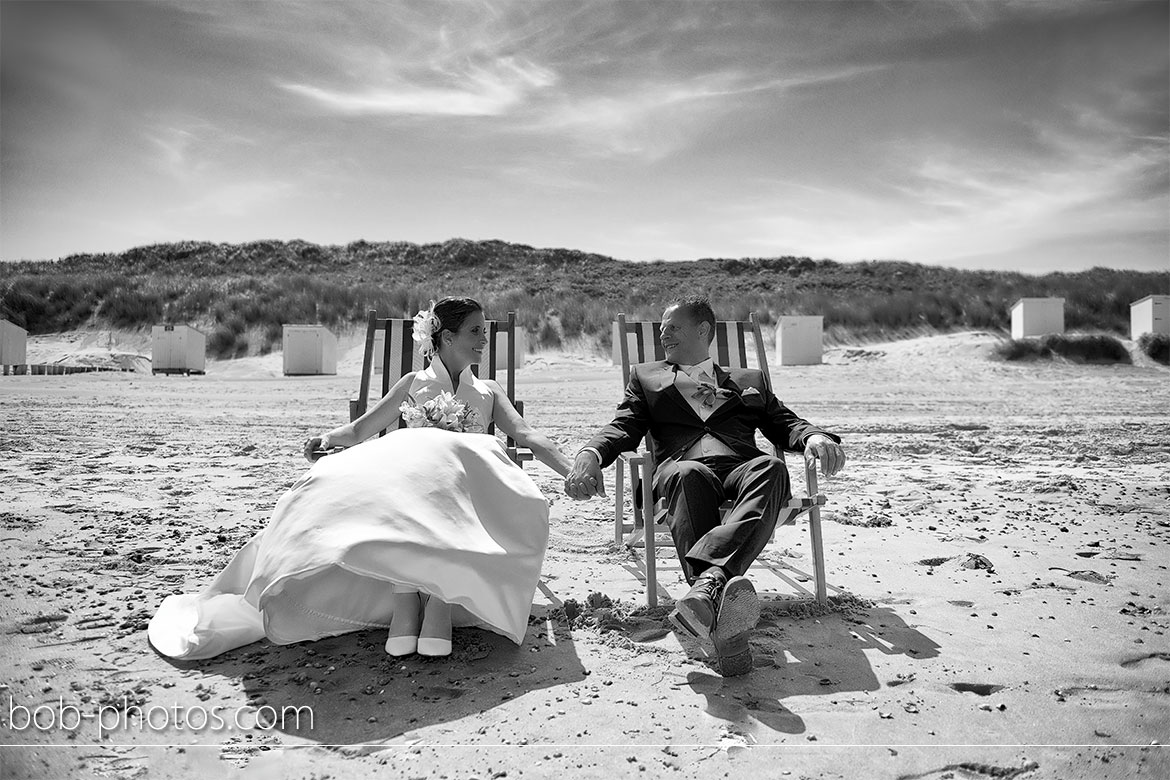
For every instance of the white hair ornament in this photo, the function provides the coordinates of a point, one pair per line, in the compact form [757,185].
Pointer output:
[426,325]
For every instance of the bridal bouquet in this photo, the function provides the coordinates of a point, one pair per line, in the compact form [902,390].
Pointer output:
[443,411]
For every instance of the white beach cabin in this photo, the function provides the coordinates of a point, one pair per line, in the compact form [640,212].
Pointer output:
[800,340]
[309,350]
[500,351]
[177,349]
[1149,315]
[1037,317]
[13,344]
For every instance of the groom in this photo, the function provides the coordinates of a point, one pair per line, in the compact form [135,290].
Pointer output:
[702,420]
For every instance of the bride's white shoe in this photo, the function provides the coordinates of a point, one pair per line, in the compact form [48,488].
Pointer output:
[404,625]
[435,635]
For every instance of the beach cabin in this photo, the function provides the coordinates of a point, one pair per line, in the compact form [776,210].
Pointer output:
[177,349]
[799,340]
[13,344]
[309,350]
[1149,315]
[1037,317]
[500,353]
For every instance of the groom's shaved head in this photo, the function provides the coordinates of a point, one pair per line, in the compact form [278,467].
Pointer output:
[698,309]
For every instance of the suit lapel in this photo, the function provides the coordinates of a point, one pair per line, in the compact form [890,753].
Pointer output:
[725,382]
[663,383]
[723,377]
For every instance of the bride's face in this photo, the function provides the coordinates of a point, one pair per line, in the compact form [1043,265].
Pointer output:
[467,345]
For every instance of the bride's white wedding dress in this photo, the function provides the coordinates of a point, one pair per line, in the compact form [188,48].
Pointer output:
[447,513]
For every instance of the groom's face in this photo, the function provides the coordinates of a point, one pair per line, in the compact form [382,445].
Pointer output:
[683,340]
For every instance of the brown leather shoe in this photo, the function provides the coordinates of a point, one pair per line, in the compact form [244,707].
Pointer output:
[695,613]
[739,611]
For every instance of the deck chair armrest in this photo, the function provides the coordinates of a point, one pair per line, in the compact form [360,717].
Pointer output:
[520,455]
[805,503]
[635,459]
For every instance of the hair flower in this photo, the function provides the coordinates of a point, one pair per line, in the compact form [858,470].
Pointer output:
[426,325]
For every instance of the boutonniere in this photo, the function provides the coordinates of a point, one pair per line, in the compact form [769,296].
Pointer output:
[707,394]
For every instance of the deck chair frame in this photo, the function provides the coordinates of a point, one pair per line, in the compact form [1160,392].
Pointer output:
[399,357]
[728,349]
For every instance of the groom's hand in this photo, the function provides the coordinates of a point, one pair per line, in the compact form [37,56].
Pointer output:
[827,451]
[585,479]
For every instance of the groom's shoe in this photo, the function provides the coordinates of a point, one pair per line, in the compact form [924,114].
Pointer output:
[695,613]
[739,611]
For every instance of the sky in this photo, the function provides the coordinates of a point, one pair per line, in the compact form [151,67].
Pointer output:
[1028,135]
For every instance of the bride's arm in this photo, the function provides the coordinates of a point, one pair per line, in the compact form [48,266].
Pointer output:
[508,420]
[381,415]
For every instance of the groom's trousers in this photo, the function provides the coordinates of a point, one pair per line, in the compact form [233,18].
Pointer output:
[694,491]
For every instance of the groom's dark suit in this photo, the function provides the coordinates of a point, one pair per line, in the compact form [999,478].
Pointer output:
[694,487]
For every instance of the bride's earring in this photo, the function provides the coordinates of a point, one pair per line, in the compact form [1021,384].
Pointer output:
[435,636]
[404,625]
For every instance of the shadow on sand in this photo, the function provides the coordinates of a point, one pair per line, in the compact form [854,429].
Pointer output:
[357,694]
[802,650]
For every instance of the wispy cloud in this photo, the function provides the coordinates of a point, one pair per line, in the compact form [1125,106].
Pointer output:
[951,205]
[654,118]
[472,90]
[187,148]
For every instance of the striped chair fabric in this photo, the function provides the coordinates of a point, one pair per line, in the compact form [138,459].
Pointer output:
[390,353]
[639,342]
[728,348]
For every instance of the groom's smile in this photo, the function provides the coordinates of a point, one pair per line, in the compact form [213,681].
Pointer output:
[682,340]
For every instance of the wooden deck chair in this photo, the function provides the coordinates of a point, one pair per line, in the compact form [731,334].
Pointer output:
[398,356]
[639,343]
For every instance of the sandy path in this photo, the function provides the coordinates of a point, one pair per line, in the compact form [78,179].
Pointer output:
[121,488]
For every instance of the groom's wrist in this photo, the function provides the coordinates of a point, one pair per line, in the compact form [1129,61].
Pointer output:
[596,453]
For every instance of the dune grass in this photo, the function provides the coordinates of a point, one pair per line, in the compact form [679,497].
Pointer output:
[1156,346]
[1078,348]
[240,294]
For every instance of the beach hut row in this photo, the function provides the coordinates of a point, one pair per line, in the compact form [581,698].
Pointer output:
[800,339]
[308,350]
[311,350]
[1042,316]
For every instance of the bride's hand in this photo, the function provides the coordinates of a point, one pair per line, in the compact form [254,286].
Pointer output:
[315,449]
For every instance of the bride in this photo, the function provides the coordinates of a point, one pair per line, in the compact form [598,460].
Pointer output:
[415,531]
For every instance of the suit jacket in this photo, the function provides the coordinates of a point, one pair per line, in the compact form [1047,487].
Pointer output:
[654,406]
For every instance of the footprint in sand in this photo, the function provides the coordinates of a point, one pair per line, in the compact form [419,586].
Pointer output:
[1142,659]
[1085,575]
[41,624]
[981,689]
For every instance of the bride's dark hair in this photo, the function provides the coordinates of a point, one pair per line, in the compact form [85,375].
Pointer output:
[451,313]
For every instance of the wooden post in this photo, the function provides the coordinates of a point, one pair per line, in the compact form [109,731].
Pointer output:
[814,529]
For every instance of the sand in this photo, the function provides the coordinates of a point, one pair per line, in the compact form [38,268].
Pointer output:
[996,551]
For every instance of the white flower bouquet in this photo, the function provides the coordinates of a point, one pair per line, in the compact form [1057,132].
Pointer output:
[443,411]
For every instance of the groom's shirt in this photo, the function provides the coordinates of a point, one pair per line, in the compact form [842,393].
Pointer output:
[697,384]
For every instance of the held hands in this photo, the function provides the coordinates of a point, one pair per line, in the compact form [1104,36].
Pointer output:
[585,479]
[827,451]
[318,447]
